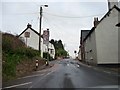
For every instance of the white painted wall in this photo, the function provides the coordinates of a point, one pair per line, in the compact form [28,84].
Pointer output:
[33,40]
[107,39]
[50,46]
[90,49]
[51,50]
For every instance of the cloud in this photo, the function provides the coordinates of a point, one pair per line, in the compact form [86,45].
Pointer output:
[53,0]
[0,16]
[17,15]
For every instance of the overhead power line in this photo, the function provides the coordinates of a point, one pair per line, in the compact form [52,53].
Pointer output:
[73,16]
[56,15]
[35,13]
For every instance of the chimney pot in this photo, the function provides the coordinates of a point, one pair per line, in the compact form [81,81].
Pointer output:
[29,25]
[96,21]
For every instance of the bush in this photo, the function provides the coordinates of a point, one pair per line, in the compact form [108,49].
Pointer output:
[61,53]
[28,52]
[14,51]
[9,65]
[47,56]
[6,44]
[11,42]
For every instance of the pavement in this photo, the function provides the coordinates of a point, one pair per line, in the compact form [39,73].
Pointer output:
[109,70]
[66,73]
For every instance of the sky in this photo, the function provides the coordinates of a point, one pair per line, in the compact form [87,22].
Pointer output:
[65,19]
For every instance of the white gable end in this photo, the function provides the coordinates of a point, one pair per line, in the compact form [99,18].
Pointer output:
[33,40]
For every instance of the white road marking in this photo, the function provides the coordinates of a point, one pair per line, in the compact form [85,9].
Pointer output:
[31,76]
[41,71]
[17,85]
[106,72]
[41,79]
[78,66]
[68,65]
[95,68]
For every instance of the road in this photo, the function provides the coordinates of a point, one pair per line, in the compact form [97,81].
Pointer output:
[66,73]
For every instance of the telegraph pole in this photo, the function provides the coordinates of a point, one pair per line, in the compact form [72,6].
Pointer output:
[41,10]
[40,29]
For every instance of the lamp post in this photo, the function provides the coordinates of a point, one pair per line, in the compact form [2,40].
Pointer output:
[41,11]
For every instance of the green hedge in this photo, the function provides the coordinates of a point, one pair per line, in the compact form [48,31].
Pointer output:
[28,52]
[47,56]
[9,65]
[13,52]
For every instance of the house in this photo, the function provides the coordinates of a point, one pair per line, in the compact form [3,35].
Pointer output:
[50,49]
[31,38]
[81,48]
[101,43]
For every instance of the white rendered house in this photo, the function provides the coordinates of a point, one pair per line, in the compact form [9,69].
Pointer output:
[101,44]
[31,38]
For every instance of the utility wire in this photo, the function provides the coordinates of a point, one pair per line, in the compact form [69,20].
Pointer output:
[35,13]
[71,16]
[52,23]
[61,16]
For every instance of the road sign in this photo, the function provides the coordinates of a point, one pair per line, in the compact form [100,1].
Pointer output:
[27,34]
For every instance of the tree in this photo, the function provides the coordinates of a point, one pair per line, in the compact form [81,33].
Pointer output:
[61,53]
[59,48]
[60,44]
[52,41]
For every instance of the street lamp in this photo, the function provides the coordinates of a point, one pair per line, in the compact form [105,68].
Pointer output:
[41,11]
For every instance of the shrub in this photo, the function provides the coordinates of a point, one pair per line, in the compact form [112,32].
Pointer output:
[14,51]
[47,56]
[11,42]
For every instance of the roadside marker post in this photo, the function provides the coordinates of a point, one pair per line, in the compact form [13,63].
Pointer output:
[37,64]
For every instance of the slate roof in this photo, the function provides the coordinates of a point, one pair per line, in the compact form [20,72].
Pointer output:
[107,14]
[29,27]
[84,33]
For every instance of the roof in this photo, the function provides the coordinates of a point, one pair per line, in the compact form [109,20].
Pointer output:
[107,14]
[118,25]
[84,33]
[29,27]
[93,28]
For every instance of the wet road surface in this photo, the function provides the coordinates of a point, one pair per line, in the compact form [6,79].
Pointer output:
[66,73]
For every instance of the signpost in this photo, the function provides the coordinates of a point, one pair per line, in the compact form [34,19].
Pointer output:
[27,35]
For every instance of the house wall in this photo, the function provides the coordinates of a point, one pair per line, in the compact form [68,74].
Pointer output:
[119,44]
[79,54]
[33,40]
[119,38]
[107,39]
[82,52]
[90,49]
[51,49]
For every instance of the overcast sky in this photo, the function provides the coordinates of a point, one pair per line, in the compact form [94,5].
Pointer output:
[64,19]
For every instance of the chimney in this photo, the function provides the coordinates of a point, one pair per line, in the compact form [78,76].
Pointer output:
[29,25]
[96,21]
[111,3]
[47,29]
